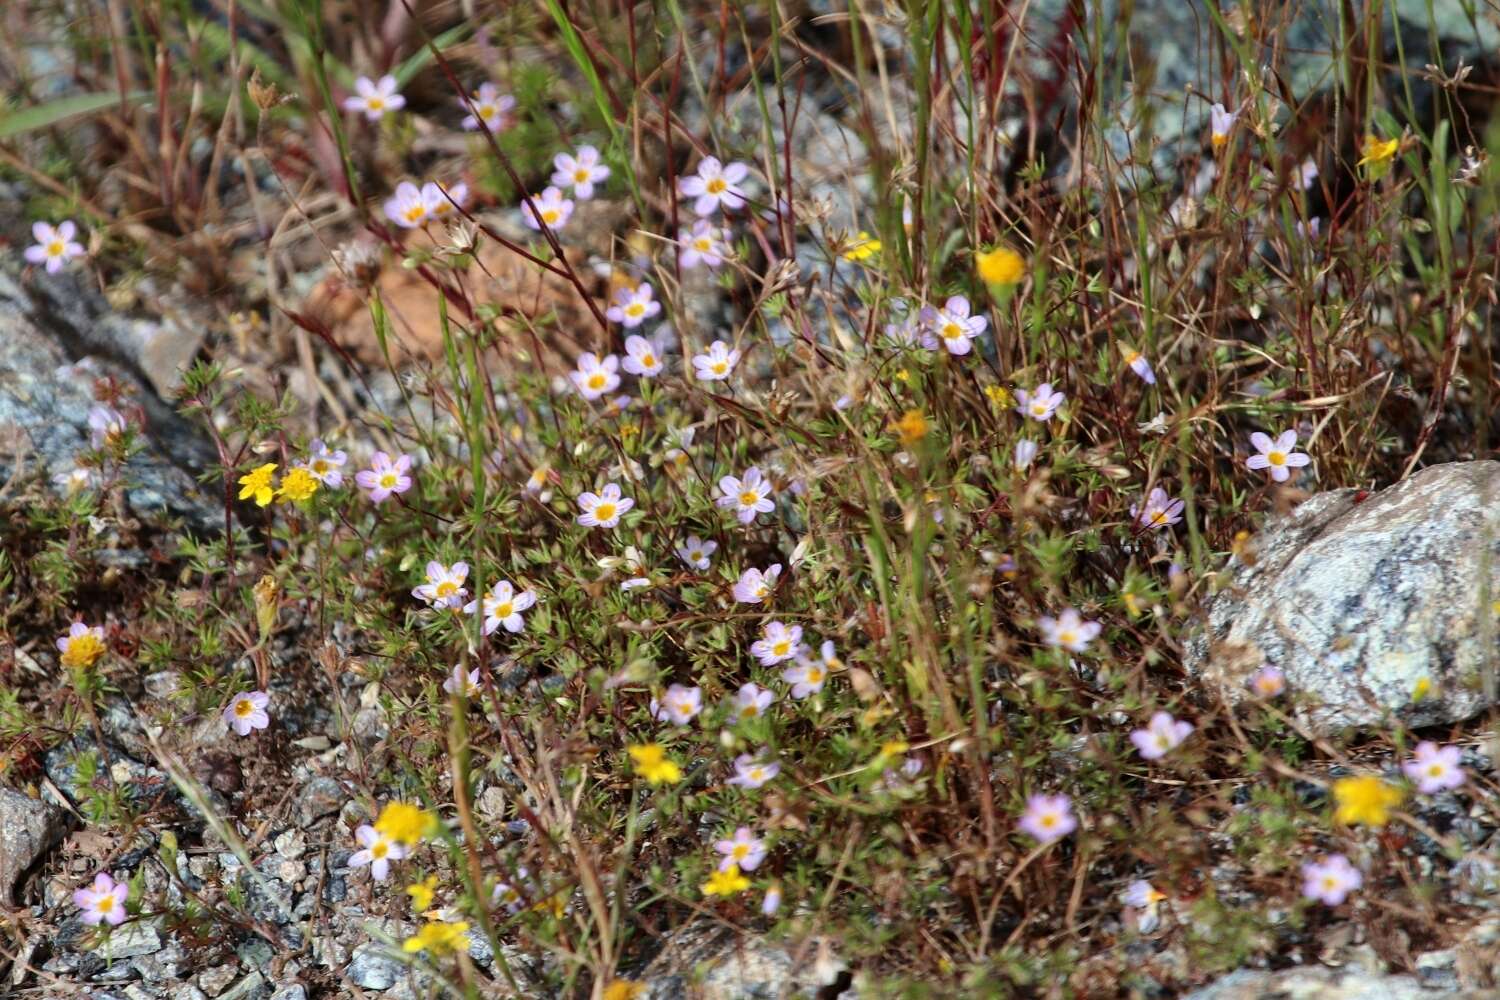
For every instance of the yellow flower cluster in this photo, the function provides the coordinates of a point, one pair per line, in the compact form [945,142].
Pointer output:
[653,764]
[297,485]
[1365,800]
[1000,266]
[438,937]
[912,427]
[862,248]
[404,822]
[728,882]
[83,650]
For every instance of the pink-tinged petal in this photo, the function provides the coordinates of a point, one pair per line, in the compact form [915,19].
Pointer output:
[54,265]
[66,230]
[1279,473]
[1261,441]
[42,232]
[1297,459]
[736,172]
[731,201]
[706,205]
[690,187]
[1286,441]
[36,255]
[1258,462]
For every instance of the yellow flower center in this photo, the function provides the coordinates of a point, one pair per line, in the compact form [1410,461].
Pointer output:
[244,708]
[505,610]
[757,774]
[1039,408]
[388,480]
[749,498]
[580,175]
[55,248]
[550,215]
[1048,820]
[951,331]
[604,511]
[719,367]
[648,360]
[1330,883]
[814,675]
[447,588]
[781,648]
[597,380]
[1067,637]
[106,903]
[320,465]
[1276,457]
[762,589]
[414,213]
[703,244]
[716,186]
[1159,517]
[740,852]
[634,309]
[1434,770]
[379,849]
[750,711]
[375,103]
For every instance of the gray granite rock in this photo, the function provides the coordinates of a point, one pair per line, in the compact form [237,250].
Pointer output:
[1358,602]
[28,828]
[705,961]
[372,969]
[1317,983]
[129,940]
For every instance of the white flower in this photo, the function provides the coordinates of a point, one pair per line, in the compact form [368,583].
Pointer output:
[1277,456]
[1304,175]
[444,587]
[751,702]
[951,326]
[1162,735]
[55,246]
[633,306]
[374,99]
[1435,768]
[491,108]
[443,203]
[604,509]
[1039,405]
[754,586]
[407,208]
[503,607]
[579,172]
[594,377]
[551,208]
[748,496]
[247,711]
[778,643]
[642,357]
[1025,453]
[106,424]
[459,682]
[750,772]
[705,244]
[1068,630]
[325,466]
[379,851]
[717,363]
[696,552]
[1220,122]
[1141,894]
[715,186]
[744,850]
[806,676]
[678,706]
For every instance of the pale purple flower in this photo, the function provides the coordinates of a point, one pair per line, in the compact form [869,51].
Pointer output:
[1025,454]
[595,377]
[753,586]
[1137,363]
[491,109]
[325,466]
[106,424]
[247,711]
[1331,880]
[459,682]
[704,244]
[54,246]
[1048,817]
[443,587]
[374,98]
[750,772]
[696,552]
[603,510]
[806,677]
[715,364]
[633,306]
[1311,231]
[714,186]
[1159,511]
[442,202]
[1141,895]
[1068,630]
[1277,455]
[1268,682]
[379,851]
[635,583]
[406,207]
[1039,405]
[384,477]
[679,705]
[1220,123]
[1434,768]
[748,495]
[103,901]
[1162,735]
[642,357]
[777,644]
[951,326]
[1304,175]
[771,902]
[744,849]
[579,172]
[750,702]
[551,209]
[503,607]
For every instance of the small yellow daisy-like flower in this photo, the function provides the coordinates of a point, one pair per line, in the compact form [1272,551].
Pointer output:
[439,938]
[1378,152]
[624,989]
[1000,266]
[257,484]
[728,882]
[405,822]
[903,375]
[653,764]
[298,484]
[912,427]
[421,893]
[82,646]
[1000,396]
[1365,800]
[863,247]
[1421,689]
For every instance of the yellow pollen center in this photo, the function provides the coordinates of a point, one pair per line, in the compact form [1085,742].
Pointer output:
[951,331]
[55,248]
[648,360]
[757,774]
[1067,638]
[749,711]
[505,610]
[781,648]
[375,104]
[749,499]
[814,675]
[1276,457]
[597,380]
[106,903]
[446,588]
[414,212]
[702,244]
[716,186]
[1435,770]
[1159,517]
[319,465]
[244,707]
[388,480]
[580,175]
[718,367]
[1049,820]
[634,309]
[1039,408]
[550,215]
[604,511]
[1329,882]
[741,852]
[379,849]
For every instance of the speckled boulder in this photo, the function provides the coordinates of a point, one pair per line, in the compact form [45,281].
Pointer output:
[1360,602]
[1318,983]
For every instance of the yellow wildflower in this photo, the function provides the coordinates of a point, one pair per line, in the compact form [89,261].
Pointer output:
[862,247]
[903,375]
[439,938]
[1421,689]
[1378,152]
[653,764]
[421,893]
[727,882]
[624,989]
[1000,266]
[298,484]
[257,484]
[82,646]
[912,427]
[1000,396]
[1365,800]
[405,822]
